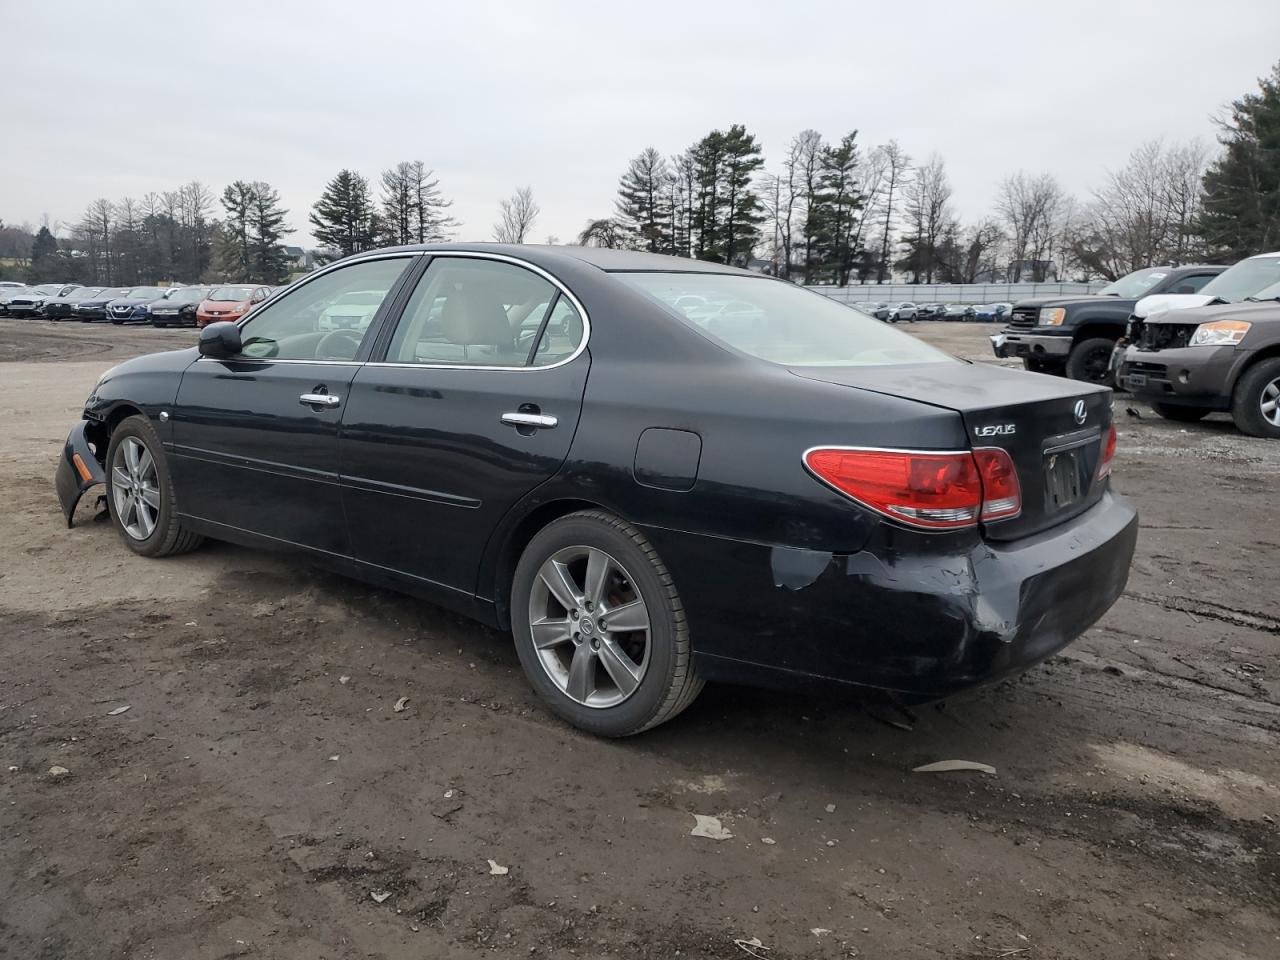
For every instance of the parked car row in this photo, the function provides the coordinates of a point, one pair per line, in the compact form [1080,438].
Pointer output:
[911,312]
[159,306]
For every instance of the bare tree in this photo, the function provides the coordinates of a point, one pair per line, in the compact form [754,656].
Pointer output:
[1143,213]
[1031,210]
[518,214]
[894,169]
[927,199]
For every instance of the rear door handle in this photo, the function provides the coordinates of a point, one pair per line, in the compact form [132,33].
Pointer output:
[540,420]
[319,400]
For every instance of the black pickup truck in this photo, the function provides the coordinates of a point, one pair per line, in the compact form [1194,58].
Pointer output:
[1074,336]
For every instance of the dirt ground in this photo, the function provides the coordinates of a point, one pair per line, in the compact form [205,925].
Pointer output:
[260,796]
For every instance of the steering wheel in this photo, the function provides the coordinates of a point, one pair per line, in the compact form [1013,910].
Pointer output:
[340,344]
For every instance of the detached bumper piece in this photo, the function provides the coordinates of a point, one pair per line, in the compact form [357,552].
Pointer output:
[1008,344]
[78,470]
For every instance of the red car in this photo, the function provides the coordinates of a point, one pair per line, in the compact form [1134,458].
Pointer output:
[229,303]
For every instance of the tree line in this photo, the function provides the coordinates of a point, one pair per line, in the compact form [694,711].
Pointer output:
[832,211]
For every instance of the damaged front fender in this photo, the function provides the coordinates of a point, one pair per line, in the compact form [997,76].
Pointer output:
[78,468]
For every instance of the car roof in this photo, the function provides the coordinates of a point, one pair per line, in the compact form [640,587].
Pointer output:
[613,261]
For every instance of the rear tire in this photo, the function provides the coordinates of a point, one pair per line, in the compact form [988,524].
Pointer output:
[1181,414]
[576,639]
[140,494]
[1090,361]
[1255,405]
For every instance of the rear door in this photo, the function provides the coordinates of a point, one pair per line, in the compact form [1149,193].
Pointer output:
[255,437]
[473,403]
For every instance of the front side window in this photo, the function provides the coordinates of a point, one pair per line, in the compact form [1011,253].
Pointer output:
[780,322]
[487,313]
[314,321]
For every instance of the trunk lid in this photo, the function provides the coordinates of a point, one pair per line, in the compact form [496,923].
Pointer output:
[1053,429]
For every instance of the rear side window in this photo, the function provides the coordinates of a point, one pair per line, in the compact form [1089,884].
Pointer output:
[486,313]
[780,322]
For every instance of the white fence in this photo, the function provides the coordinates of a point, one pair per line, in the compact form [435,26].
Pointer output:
[954,292]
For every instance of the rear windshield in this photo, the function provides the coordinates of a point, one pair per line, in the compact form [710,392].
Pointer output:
[231,294]
[780,322]
[1247,278]
[1134,285]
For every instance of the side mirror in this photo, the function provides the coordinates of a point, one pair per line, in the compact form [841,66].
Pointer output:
[220,340]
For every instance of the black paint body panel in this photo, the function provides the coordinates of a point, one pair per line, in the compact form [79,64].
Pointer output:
[416,484]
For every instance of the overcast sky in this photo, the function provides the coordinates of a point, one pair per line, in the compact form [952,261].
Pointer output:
[121,98]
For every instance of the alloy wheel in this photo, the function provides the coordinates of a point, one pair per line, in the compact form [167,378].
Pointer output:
[590,626]
[135,488]
[1269,402]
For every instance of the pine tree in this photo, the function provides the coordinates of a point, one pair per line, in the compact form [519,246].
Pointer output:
[742,214]
[236,248]
[267,263]
[839,223]
[644,202]
[1241,207]
[44,252]
[343,218]
[705,157]
[429,221]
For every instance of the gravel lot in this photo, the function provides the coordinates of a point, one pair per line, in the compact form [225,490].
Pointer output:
[260,795]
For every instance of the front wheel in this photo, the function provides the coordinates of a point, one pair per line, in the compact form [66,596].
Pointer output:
[1090,361]
[1036,365]
[140,493]
[599,626]
[1255,406]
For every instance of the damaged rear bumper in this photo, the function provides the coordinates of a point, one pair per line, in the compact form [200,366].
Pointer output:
[78,469]
[918,620]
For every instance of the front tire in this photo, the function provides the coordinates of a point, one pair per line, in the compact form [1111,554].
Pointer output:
[1035,365]
[140,494]
[1255,405]
[1180,414]
[1090,361]
[599,626]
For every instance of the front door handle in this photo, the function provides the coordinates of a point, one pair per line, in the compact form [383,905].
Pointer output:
[541,421]
[319,400]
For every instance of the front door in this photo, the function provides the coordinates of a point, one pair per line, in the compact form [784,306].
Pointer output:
[473,405]
[255,437]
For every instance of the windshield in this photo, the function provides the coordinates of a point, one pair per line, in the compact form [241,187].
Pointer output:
[1134,285]
[231,294]
[779,322]
[146,293]
[47,288]
[187,295]
[115,293]
[1246,279]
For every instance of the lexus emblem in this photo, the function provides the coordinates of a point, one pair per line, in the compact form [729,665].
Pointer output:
[1079,412]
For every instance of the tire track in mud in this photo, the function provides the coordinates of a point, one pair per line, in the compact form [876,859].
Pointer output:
[1212,611]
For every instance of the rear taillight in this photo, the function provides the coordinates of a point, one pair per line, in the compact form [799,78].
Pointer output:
[934,491]
[1108,453]
[1001,493]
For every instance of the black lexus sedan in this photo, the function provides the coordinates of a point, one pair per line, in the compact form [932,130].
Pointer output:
[649,492]
[177,307]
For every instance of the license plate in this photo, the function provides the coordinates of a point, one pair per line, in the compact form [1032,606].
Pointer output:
[1136,379]
[1064,484]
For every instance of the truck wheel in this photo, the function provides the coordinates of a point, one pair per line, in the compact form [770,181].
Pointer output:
[1090,361]
[1255,406]
[1036,365]
[1173,411]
